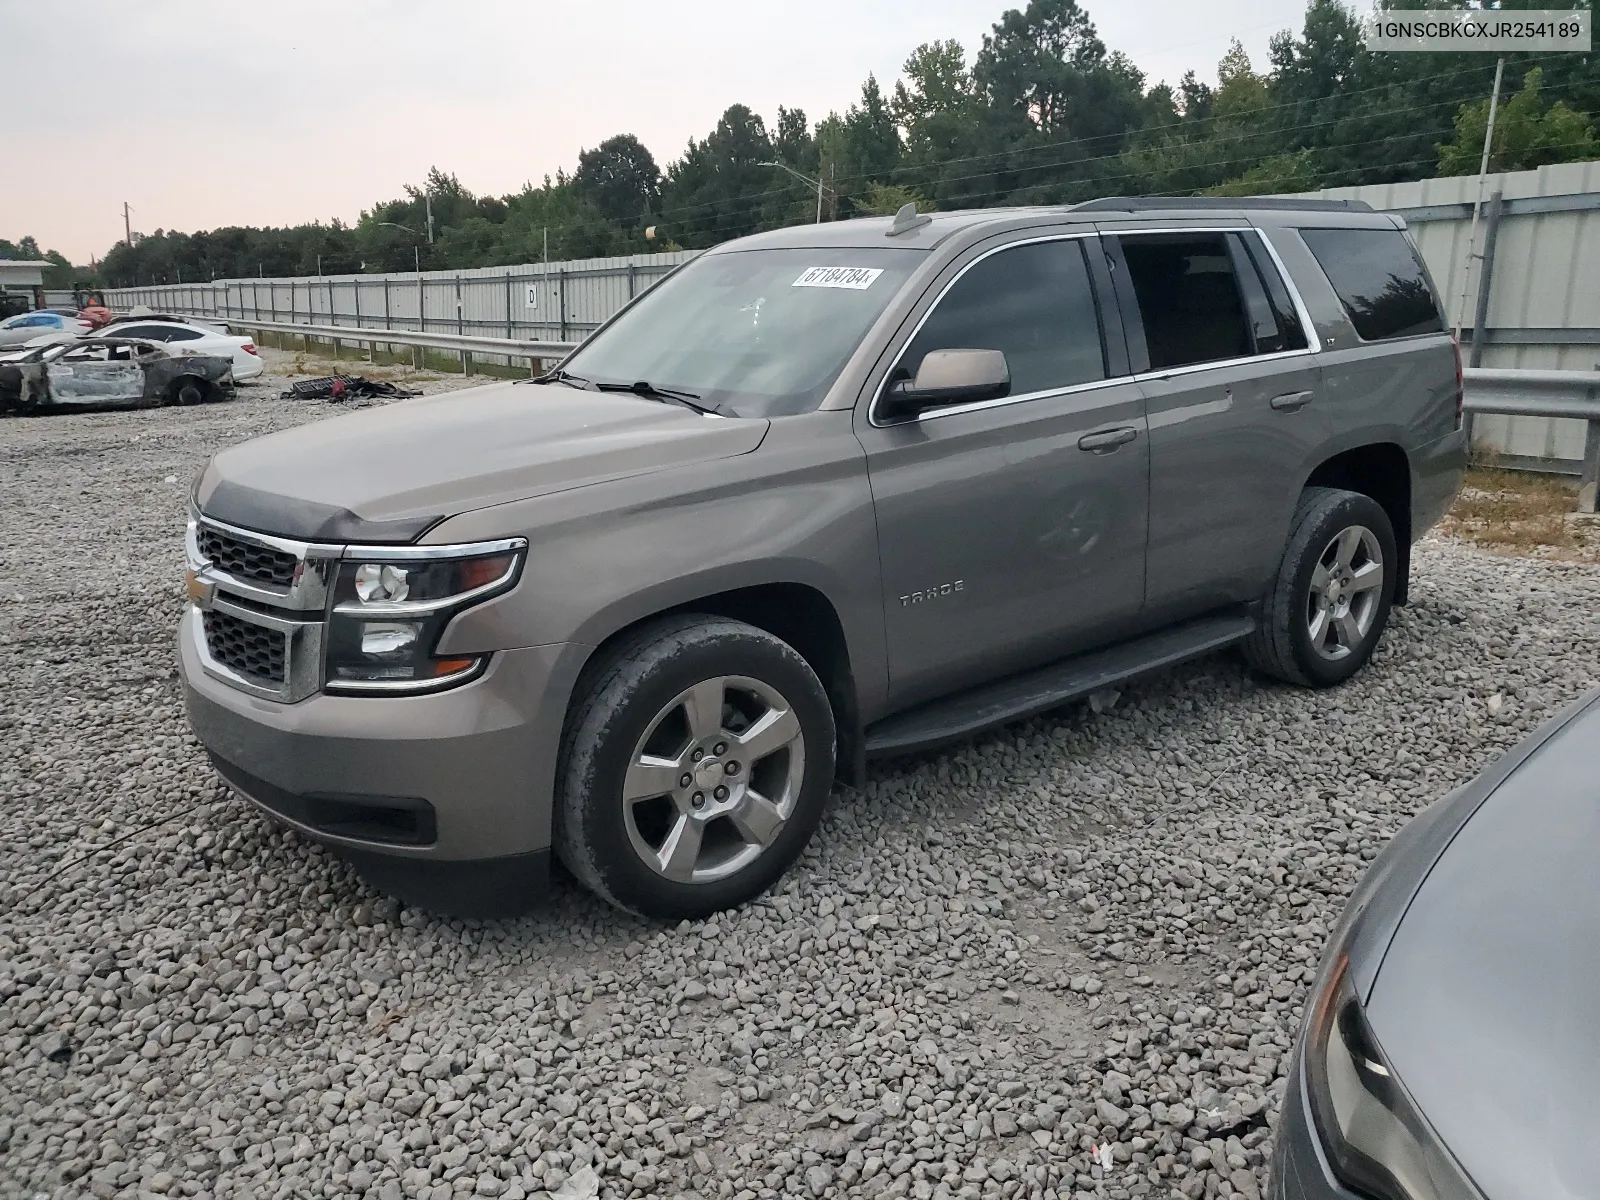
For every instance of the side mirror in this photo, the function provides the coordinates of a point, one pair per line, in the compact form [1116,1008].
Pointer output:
[948,377]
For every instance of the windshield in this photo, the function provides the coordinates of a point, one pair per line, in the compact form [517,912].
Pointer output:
[761,332]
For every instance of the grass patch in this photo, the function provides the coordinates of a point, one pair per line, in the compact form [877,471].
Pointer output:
[1516,512]
[371,361]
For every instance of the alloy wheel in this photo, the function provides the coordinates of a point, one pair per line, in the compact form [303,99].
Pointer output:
[714,779]
[1346,593]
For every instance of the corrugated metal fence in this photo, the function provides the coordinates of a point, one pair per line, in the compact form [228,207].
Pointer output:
[1544,283]
[556,302]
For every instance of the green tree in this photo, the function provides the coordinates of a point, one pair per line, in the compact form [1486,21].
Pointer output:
[620,178]
[717,189]
[1281,174]
[1528,133]
[1035,61]
[886,199]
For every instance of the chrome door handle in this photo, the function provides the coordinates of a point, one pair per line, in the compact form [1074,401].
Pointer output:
[1107,439]
[1291,401]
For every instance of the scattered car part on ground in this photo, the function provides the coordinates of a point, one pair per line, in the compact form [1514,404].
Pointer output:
[106,371]
[1447,1051]
[823,493]
[344,387]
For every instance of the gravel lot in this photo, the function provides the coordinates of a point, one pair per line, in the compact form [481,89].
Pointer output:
[1086,931]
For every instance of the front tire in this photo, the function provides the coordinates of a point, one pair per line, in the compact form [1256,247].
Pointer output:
[1331,597]
[696,764]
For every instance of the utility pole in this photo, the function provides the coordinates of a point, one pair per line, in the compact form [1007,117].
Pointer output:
[427,199]
[127,226]
[1477,206]
[805,179]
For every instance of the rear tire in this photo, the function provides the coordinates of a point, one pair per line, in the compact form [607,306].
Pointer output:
[188,391]
[1330,599]
[696,763]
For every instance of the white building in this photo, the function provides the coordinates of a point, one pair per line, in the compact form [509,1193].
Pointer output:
[27,278]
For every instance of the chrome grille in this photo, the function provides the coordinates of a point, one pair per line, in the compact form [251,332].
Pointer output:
[245,560]
[241,646]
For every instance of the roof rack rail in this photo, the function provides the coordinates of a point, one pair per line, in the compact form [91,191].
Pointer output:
[1159,203]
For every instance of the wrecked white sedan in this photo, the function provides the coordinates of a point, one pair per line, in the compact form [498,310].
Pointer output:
[110,372]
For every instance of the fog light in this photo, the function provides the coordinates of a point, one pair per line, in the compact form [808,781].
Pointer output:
[381,581]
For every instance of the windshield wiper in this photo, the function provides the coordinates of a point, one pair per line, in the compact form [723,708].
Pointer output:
[560,376]
[643,387]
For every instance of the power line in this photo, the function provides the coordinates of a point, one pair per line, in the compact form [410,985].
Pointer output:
[1193,124]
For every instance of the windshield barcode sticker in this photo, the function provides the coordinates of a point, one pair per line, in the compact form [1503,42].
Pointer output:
[857,279]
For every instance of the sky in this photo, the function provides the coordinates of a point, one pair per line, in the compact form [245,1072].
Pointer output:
[204,114]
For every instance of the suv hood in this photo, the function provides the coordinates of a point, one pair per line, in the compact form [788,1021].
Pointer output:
[387,474]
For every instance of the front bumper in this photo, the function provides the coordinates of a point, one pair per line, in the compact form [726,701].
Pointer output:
[464,775]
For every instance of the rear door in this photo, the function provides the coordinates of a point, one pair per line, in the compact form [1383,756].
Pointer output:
[1012,531]
[1230,386]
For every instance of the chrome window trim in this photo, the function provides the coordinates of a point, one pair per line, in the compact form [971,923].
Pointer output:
[980,405]
[977,406]
[1194,368]
[1313,342]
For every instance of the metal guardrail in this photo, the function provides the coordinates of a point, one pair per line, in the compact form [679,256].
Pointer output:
[1497,390]
[1532,393]
[465,344]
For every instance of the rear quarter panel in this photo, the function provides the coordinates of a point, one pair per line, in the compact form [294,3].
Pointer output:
[1402,390]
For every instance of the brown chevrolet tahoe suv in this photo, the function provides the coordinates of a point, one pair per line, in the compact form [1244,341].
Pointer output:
[824,493]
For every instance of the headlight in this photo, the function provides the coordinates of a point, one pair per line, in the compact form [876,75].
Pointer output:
[1376,1140]
[391,604]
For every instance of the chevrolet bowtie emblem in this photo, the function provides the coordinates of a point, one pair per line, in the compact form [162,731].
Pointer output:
[200,592]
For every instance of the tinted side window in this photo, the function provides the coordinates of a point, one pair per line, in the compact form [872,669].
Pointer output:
[180,335]
[1294,337]
[1033,303]
[1380,281]
[1188,298]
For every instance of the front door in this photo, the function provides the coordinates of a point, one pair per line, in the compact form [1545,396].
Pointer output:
[1012,531]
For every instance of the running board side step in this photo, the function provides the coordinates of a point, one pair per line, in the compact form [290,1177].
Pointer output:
[1044,688]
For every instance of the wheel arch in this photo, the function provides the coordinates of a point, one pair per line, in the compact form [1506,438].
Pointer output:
[807,619]
[208,390]
[1381,470]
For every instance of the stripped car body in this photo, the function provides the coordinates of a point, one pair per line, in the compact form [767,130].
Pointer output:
[98,371]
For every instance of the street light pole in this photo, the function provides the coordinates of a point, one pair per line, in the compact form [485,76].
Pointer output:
[416,249]
[806,179]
